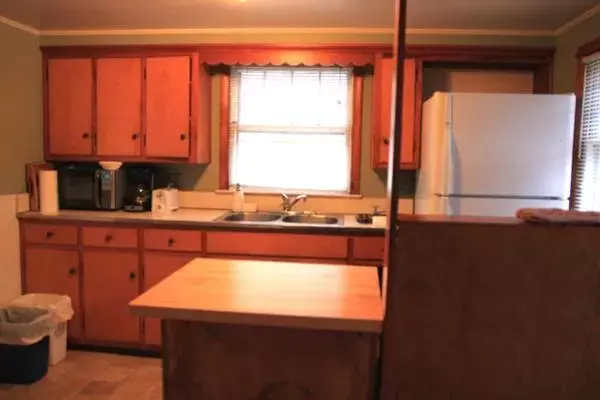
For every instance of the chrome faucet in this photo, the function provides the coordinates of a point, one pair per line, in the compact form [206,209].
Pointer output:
[288,204]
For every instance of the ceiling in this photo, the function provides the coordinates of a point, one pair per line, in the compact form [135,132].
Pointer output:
[523,15]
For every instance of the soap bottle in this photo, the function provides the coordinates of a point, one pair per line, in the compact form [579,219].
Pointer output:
[238,199]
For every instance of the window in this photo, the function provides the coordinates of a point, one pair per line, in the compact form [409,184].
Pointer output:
[291,128]
[587,172]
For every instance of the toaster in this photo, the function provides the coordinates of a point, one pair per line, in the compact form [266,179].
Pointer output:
[165,200]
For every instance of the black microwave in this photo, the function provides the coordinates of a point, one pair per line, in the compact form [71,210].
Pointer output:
[90,187]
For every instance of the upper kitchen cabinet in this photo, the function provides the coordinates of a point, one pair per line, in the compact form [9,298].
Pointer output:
[126,105]
[69,91]
[119,106]
[168,118]
[382,112]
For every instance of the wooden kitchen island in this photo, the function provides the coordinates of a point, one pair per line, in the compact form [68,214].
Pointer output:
[262,330]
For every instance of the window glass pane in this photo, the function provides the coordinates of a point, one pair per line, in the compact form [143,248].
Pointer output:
[291,128]
[587,174]
[291,161]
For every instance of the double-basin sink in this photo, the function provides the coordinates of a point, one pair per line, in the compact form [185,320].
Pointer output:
[280,217]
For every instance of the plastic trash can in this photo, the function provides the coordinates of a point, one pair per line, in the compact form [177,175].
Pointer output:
[61,311]
[24,344]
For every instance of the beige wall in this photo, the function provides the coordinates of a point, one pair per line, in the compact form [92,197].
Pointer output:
[565,63]
[21,138]
[373,183]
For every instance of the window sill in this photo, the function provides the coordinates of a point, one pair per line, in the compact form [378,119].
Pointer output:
[255,192]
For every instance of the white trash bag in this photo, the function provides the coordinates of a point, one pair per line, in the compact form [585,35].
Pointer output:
[58,305]
[24,326]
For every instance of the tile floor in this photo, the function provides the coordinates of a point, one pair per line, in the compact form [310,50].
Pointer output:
[94,376]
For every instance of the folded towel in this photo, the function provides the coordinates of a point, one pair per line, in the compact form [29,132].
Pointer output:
[556,215]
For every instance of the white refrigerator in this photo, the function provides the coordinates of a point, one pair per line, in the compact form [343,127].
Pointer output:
[491,154]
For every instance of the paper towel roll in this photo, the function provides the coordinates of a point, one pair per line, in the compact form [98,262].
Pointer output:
[48,192]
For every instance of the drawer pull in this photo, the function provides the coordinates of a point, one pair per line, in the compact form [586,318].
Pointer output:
[132,275]
[72,271]
[108,238]
[171,242]
[49,235]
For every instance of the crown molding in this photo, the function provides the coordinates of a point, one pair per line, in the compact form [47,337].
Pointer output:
[578,20]
[289,30]
[478,32]
[220,31]
[19,26]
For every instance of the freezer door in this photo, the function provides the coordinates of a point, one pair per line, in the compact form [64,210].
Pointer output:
[497,207]
[510,144]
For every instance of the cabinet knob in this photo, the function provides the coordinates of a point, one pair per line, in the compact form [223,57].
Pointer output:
[132,275]
[135,136]
[49,235]
[171,242]
[85,135]
[72,271]
[183,136]
[108,238]
[386,141]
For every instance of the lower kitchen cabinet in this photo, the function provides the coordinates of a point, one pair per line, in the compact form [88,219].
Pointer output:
[99,267]
[55,271]
[111,281]
[157,266]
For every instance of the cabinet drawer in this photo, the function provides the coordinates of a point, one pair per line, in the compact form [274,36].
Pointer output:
[277,244]
[169,239]
[50,234]
[106,236]
[369,248]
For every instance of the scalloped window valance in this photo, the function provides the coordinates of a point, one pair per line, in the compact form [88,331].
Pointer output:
[343,56]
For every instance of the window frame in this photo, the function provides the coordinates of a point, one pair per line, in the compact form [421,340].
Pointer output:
[587,50]
[355,133]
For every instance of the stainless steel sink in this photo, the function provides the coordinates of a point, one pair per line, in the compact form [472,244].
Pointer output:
[250,217]
[311,219]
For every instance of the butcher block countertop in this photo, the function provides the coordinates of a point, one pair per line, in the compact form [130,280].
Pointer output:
[267,293]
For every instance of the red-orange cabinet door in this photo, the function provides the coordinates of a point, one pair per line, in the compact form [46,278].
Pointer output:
[157,266]
[69,93]
[168,107]
[119,106]
[110,282]
[55,271]
[384,91]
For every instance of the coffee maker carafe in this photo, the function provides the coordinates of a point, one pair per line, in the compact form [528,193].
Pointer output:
[140,184]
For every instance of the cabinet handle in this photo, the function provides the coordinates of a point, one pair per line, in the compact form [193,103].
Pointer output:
[171,242]
[132,275]
[183,136]
[72,271]
[108,238]
[386,141]
[85,135]
[135,136]
[49,235]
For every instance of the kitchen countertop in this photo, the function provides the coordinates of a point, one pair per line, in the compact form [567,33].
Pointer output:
[204,218]
[267,293]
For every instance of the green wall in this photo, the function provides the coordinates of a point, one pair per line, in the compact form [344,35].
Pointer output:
[373,183]
[567,44]
[21,138]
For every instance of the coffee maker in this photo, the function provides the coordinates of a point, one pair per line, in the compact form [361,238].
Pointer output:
[140,184]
